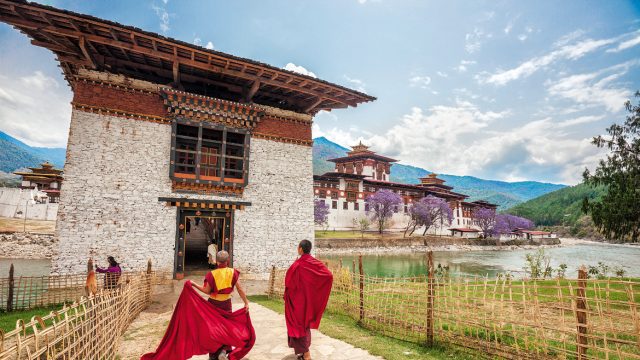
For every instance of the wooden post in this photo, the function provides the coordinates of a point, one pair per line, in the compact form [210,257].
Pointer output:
[272,281]
[149,267]
[361,288]
[10,295]
[430,297]
[581,314]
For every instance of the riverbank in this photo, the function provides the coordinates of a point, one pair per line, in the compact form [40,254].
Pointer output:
[400,245]
[20,245]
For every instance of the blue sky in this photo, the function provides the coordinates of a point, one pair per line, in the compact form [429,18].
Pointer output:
[507,90]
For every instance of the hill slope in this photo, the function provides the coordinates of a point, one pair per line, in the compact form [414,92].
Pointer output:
[561,207]
[15,154]
[505,194]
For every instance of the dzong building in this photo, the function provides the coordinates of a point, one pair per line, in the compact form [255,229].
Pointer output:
[172,145]
[363,172]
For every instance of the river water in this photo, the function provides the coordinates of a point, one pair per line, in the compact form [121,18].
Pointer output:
[492,263]
[25,267]
[480,263]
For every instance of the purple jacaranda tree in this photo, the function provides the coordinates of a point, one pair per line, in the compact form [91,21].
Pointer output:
[506,223]
[485,219]
[320,212]
[381,207]
[429,211]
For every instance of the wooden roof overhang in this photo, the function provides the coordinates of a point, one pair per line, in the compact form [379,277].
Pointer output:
[83,41]
[338,175]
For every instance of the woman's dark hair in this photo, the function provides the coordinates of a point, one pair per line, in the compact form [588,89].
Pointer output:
[112,261]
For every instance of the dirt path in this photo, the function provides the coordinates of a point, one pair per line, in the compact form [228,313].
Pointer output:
[144,334]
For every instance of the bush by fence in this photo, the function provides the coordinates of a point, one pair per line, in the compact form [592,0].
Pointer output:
[87,329]
[514,319]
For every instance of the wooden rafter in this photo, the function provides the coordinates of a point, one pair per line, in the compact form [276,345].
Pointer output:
[84,41]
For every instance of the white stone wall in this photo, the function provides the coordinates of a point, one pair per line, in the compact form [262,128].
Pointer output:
[116,170]
[16,203]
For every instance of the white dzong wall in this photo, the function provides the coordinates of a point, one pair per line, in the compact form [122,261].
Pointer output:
[117,168]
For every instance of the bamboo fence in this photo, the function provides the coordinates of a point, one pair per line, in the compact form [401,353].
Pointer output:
[514,319]
[27,292]
[87,329]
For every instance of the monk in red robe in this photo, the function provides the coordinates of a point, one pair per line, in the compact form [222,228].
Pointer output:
[307,288]
[219,285]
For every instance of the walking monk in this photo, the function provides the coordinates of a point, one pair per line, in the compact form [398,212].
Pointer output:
[307,288]
[199,326]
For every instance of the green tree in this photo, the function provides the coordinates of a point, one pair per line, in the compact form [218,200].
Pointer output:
[617,214]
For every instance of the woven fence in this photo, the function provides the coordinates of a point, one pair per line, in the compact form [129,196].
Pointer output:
[27,292]
[87,329]
[514,319]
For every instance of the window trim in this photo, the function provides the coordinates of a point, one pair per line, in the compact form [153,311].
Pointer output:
[203,179]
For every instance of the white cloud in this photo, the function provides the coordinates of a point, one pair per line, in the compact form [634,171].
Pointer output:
[570,37]
[596,88]
[197,41]
[462,67]
[475,39]
[529,67]
[522,37]
[442,74]
[463,140]
[163,15]
[357,83]
[420,81]
[627,43]
[35,109]
[209,45]
[296,68]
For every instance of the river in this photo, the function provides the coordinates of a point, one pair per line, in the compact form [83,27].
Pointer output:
[481,263]
[491,263]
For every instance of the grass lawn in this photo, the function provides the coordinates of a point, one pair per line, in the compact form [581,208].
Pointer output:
[344,328]
[348,234]
[8,320]
[33,226]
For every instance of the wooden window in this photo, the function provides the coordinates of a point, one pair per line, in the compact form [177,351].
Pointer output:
[334,194]
[209,153]
[345,205]
[322,194]
[366,206]
[351,196]
[334,204]
[356,206]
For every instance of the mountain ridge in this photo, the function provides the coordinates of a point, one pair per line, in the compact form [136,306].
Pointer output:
[17,155]
[503,193]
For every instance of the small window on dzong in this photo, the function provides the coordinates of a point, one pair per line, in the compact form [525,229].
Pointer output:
[209,153]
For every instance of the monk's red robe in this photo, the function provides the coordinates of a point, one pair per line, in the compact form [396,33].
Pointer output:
[307,288]
[198,327]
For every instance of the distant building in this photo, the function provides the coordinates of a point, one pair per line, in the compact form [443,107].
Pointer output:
[46,178]
[467,233]
[363,172]
[535,234]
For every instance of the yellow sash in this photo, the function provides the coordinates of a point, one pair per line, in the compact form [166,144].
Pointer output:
[223,278]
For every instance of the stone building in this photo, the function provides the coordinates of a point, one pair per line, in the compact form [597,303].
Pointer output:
[169,140]
[46,179]
[363,172]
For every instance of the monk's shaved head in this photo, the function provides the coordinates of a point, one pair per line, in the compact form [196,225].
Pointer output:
[222,257]
[305,245]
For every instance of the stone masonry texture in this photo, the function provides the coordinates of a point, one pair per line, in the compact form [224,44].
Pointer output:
[116,170]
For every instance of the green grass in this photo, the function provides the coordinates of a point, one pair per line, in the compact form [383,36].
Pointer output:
[8,320]
[344,328]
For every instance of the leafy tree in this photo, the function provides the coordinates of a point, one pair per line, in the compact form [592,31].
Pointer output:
[320,212]
[363,224]
[485,218]
[429,211]
[382,205]
[506,223]
[617,213]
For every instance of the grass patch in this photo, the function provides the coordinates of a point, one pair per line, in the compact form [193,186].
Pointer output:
[8,320]
[32,226]
[344,328]
[349,234]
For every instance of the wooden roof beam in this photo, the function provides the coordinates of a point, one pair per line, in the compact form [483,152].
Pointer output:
[313,105]
[83,46]
[252,91]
